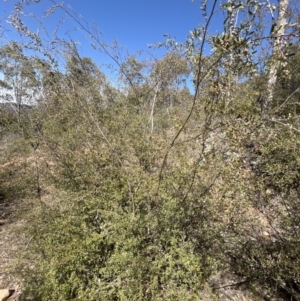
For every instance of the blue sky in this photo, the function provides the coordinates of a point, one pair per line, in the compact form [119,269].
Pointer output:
[134,23]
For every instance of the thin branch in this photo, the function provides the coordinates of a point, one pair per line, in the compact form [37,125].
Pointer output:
[284,124]
[198,82]
[152,109]
[230,285]
[287,99]
[94,35]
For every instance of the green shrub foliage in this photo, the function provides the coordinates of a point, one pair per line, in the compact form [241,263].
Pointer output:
[146,192]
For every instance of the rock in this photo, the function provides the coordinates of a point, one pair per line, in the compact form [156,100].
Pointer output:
[5,293]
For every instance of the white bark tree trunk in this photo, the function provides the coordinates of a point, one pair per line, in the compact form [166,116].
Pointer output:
[278,36]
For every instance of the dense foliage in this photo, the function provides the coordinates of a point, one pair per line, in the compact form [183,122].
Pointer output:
[145,191]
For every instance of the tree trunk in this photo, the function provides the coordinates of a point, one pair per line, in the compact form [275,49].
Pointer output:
[278,36]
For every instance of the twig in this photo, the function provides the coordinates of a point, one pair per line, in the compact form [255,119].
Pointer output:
[230,285]
[276,110]
[284,124]
[198,82]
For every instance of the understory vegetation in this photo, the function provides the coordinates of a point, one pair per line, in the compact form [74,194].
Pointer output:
[151,188]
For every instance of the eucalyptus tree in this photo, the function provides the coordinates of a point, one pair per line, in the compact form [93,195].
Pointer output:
[169,74]
[19,77]
[278,35]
